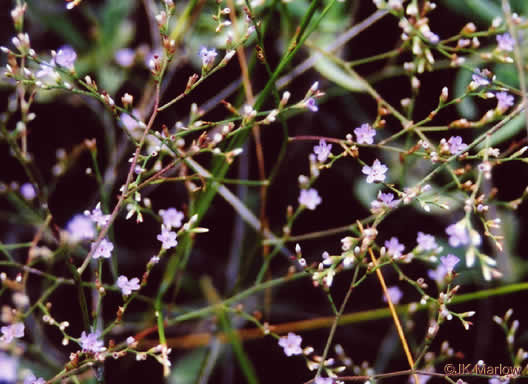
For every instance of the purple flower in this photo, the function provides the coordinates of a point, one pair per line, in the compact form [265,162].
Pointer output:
[90,342]
[438,274]
[365,134]
[10,332]
[323,380]
[8,368]
[309,198]
[497,380]
[376,172]
[66,57]
[104,249]
[167,238]
[458,234]
[208,57]
[479,78]
[80,228]
[504,101]
[394,247]
[97,216]
[291,344]
[311,105]
[127,286]
[505,42]
[449,262]
[322,150]
[125,57]
[172,218]
[27,190]
[395,294]
[31,379]
[384,200]
[456,145]
[426,242]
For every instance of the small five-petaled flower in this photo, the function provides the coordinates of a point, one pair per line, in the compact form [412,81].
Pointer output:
[291,344]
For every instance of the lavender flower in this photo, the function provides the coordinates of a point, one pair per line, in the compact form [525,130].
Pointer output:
[31,379]
[47,74]
[66,57]
[309,198]
[439,274]
[449,262]
[97,216]
[208,57]
[104,249]
[395,295]
[322,151]
[8,368]
[479,78]
[167,238]
[172,218]
[125,57]
[376,172]
[497,380]
[90,342]
[311,105]
[10,332]
[80,228]
[127,286]
[504,101]
[384,200]
[458,234]
[291,344]
[365,134]
[505,42]
[426,242]
[456,145]
[394,247]
[27,190]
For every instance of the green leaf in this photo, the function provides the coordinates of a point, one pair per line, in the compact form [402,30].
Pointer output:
[187,369]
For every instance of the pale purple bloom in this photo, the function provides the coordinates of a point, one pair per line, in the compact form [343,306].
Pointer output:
[449,262]
[384,200]
[291,344]
[365,134]
[47,73]
[125,57]
[10,332]
[394,247]
[90,342]
[167,238]
[426,242]
[479,78]
[322,150]
[324,380]
[66,57]
[505,42]
[376,172]
[438,274]
[456,145]
[104,249]
[504,101]
[496,380]
[309,198]
[395,294]
[172,218]
[311,105]
[80,228]
[27,190]
[31,379]
[431,36]
[208,57]
[97,216]
[458,234]
[8,368]
[127,286]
